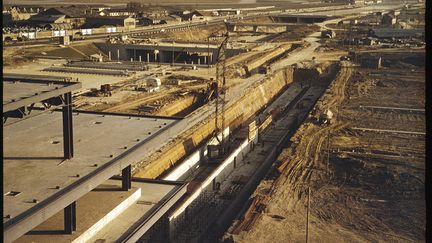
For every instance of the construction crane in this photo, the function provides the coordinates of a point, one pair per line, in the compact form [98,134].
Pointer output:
[219,86]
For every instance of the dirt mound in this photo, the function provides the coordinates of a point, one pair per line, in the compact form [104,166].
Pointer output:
[66,52]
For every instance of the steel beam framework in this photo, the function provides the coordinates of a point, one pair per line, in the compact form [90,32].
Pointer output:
[127,178]
[59,93]
[24,222]
[70,218]
[67,127]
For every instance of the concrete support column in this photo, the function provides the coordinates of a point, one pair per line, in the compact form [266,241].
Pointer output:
[70,218]
[127,178]
[67,127]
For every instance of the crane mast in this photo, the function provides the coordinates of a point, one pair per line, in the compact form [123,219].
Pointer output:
[221,92]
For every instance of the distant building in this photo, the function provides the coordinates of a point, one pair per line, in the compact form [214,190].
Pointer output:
[57,26]
[100,21]
[159,20]
[176,18]
[227,12]
[157,13]
[23,12]
[117,12]
[388,19]
[51,22]
[73,15]
[96,9]
[143,10]
[203,15]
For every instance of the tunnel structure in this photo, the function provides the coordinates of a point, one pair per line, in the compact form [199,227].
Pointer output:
[294,18]
[259,27]
[166,53]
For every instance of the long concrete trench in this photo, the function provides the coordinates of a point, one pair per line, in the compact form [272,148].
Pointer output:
[217,192]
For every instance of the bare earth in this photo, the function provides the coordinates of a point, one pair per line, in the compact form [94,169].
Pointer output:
[372,187]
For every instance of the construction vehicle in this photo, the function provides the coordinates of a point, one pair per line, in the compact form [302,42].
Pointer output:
[152,84]
[264,69]
[326,117]
[105,90]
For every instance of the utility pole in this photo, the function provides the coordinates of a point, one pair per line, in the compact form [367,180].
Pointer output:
[208,56]
[307,215]
[208,52]
[172,58]
[328,153]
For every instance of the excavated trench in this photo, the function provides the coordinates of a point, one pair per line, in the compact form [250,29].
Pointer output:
[253,99]
[204,206]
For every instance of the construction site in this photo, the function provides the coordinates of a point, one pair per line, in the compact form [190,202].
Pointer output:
[309,122]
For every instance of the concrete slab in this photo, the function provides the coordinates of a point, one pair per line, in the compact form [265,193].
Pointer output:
[90,211]
[20,93]
[33,149]
[88,80]
[153,197]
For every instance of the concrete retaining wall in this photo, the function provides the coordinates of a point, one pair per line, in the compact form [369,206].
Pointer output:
[180,215]
[245,107]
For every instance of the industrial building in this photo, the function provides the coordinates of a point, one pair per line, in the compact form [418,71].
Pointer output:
[74,16]
[120,21]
